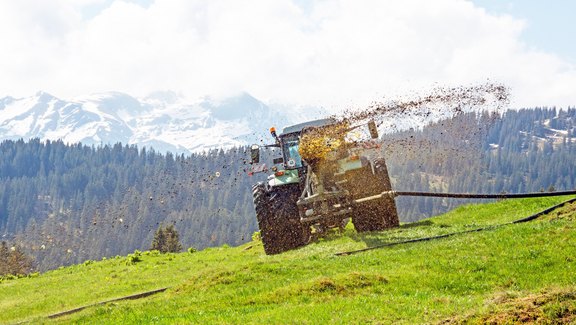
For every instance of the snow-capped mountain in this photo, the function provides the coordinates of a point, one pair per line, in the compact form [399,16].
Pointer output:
[163,121]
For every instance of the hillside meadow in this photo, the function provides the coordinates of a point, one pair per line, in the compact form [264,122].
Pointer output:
[508,274]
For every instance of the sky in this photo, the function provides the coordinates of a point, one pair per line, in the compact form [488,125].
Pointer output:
[330,53]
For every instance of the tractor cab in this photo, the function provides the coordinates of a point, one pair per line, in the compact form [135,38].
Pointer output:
[289,143]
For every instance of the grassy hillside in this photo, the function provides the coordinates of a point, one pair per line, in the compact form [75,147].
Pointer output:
[513,273]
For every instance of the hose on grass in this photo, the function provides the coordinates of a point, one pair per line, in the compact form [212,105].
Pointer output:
[483,196]
[130,297]
[525,219]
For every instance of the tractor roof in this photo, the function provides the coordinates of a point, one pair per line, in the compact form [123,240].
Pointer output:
[299,127]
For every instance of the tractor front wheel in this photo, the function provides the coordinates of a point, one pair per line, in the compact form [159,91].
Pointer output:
[278,219]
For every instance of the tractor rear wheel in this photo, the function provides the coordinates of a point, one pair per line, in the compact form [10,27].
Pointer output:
[379,214]
[278,219]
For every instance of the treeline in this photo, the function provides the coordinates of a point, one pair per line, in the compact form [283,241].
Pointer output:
[66,204]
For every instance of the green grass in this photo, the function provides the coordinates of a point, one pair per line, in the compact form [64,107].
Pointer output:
[465,278]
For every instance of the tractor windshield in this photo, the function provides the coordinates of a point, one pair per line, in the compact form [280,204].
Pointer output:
[290,148]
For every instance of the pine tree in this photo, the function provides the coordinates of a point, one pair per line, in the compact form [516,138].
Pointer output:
[14,261]
[18,262]
[172,239]
[4,256]
[159,241]
[166,240]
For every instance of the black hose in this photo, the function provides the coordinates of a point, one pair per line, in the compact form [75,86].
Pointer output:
[130,297]
[526,219]
[484,196]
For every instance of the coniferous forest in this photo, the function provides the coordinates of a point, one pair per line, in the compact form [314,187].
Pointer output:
[65,204]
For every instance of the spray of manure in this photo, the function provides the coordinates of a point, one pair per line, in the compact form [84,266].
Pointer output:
[392,116]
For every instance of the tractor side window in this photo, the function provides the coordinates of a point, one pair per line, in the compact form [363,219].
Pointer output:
[291,148]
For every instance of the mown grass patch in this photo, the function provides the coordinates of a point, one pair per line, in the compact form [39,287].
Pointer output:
[552,306]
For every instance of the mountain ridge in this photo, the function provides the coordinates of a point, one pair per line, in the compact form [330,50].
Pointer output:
[164,121]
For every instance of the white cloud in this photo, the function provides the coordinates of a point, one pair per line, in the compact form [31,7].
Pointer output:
[333,52]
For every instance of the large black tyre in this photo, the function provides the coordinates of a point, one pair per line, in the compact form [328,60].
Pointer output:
[278,218]
[379,214]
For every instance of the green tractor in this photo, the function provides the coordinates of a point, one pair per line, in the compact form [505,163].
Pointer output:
[349,180]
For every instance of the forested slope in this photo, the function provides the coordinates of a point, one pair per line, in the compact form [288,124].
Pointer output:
[66,204]
[71,203]
[528,150]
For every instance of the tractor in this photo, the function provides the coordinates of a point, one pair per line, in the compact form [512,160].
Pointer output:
[329,173]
